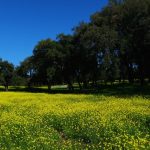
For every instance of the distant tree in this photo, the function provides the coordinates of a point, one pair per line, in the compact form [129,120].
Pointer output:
[102,37]
[45,60]
[18,80]
[51,71]
[134,29]
[113,45]
[86,53]
[26,70]
[67,58]
[6,73]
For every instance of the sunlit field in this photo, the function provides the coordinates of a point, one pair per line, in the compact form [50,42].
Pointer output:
[71,121]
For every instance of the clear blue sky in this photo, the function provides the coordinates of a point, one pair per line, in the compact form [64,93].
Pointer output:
[24,22]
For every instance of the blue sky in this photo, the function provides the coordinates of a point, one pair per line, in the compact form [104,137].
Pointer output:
[25,22]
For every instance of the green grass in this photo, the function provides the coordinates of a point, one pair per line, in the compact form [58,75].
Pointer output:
[72,121]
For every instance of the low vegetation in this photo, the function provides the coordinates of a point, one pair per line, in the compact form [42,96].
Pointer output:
[71,121]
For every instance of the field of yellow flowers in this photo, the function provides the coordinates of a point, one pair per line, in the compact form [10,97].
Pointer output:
[36,121]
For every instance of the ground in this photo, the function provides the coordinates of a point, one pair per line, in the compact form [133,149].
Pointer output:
[73,121]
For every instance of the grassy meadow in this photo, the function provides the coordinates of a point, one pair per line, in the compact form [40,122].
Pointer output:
[43,121]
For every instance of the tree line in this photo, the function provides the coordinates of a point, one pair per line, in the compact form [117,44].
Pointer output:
[114,45]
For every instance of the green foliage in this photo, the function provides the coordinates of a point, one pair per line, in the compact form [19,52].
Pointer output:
[6,73]
[18,81]
[114,45]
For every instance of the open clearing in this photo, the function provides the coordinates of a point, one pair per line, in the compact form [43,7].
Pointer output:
[71,121]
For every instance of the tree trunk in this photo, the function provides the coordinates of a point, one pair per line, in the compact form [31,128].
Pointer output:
[119,80]
[79,83]
[29,84]
[85,85]
[95,84]
[6,88]
[141,72]
[49,87]
[130,75]
[70,86]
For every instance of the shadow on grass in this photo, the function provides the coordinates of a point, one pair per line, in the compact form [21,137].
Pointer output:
[119,90]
